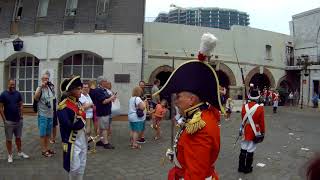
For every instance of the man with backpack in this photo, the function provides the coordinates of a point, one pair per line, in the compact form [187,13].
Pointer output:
[45,96]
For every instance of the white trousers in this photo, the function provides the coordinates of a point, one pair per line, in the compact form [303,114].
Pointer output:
[79,157]
[250,146]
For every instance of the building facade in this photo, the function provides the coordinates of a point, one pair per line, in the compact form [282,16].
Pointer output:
[64,37]
[261,54]
[305,30]
[206,17]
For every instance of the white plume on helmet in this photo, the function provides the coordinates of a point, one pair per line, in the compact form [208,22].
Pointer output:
[208,43]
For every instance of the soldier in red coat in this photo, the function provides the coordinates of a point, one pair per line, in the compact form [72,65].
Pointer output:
[197,144]
[252,130]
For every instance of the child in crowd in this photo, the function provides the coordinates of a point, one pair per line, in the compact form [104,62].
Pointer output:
[158,115]
[229,106]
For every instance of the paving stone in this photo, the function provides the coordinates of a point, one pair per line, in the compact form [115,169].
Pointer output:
[124,163]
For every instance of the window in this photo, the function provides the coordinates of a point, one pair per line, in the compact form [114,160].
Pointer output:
[102,7]
[71,7]
[268,52]
[18,10]
[87,66]
[43,8]
[25,70]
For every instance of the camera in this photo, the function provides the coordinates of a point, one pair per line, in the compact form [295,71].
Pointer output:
[48,104]
[49,83]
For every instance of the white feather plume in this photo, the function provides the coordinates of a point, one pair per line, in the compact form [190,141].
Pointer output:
[208,43]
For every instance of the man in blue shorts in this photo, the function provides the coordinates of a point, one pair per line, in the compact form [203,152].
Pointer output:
[45,95]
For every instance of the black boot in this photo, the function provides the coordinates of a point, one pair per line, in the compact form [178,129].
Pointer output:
[249,161]
[242,160]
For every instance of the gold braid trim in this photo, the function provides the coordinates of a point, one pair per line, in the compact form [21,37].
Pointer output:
[62,104]
[195,124]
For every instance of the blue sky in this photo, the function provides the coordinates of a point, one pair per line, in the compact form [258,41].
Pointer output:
[272,15]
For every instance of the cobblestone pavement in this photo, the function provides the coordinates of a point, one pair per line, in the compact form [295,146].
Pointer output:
[287,132]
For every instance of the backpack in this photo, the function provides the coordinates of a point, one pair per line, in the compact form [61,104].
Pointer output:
[35,103]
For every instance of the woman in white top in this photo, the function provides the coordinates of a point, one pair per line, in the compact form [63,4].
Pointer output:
[136,123]
[87,105]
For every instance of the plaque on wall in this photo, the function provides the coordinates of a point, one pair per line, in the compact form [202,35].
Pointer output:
[121,78]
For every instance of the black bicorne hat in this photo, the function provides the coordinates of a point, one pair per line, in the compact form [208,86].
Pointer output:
[196,77]
[71,83]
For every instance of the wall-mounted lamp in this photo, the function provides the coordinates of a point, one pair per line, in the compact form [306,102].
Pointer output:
[17,44]
[138,39]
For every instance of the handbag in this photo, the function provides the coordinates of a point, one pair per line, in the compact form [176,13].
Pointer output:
[139,112]
[115,108]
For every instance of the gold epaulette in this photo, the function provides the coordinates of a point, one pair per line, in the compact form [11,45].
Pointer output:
[62,104]
[195,124]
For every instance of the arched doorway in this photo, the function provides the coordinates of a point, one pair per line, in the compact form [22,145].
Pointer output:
[24,68]
[223,79]
[85,64]
[284,86]
[162,73]
[223,82]
[260,81]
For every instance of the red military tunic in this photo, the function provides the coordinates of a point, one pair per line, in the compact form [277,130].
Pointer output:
[198,152]
[258,119]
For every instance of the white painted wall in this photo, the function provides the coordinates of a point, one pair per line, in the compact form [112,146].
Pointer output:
[181,41]
[305,28]
[123,48]
[122,54]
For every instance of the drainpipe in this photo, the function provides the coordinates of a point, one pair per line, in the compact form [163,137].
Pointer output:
[142,40]
[318,57]
[309,88]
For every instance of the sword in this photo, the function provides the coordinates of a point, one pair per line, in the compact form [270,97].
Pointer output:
[93,139]
[234,145]
[169,152]
[240,135]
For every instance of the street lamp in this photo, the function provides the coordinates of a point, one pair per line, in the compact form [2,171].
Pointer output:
[305,63]
[166,53]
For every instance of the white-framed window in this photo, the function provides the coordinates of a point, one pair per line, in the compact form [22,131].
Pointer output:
[43,8]
[102,7]
[268,52]
[18,10]
[71,7]
[25,70]
[87,66]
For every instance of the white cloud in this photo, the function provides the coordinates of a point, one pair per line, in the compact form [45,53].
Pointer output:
[273,15]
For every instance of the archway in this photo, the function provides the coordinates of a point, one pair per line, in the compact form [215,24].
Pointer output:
[162,73]
[266,78]
[223,79]
[260,81]
[227,74]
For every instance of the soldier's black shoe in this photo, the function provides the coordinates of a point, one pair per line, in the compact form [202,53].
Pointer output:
[99,143]
[249,161]
[247,170]
[108,146]
[242,160]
